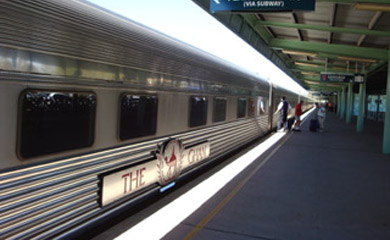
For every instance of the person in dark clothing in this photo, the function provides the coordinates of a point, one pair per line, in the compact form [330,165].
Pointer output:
[283,108]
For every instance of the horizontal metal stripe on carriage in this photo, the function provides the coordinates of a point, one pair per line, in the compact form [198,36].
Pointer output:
[29,25]
[41,227]
[188,137]
[243,139]
[59,185]
[32,199]
[221,148]
[48,214]
[37,178]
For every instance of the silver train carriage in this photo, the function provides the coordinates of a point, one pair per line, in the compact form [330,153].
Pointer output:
[98,111]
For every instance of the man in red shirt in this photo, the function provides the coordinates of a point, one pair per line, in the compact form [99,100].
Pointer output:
[298,113]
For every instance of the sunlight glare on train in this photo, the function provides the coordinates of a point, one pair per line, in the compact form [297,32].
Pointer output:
[187,22]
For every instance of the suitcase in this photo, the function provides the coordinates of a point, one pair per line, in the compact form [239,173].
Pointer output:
[314,125]
[290,123]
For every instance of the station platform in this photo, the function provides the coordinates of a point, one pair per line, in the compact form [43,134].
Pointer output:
[311,185]
[308,185]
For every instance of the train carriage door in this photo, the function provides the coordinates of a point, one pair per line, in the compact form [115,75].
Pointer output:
[262,110]
[258,108]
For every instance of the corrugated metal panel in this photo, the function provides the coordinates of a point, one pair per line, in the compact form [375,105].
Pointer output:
[74,29]
[35,200]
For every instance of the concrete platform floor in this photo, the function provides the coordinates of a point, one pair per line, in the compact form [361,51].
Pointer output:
[331,185]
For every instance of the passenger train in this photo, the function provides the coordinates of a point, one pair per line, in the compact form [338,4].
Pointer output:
[98,111]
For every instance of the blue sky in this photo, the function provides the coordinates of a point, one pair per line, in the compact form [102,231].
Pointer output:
[186,21]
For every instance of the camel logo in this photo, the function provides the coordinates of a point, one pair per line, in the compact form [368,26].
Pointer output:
[169,164]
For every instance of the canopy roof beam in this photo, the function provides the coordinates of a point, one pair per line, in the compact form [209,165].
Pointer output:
[321,69]
[334,49]
[324,28]
[371,25]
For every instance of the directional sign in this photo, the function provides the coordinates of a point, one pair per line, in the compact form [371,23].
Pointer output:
[359,78]
[342,78]
[261,5]
[337,77]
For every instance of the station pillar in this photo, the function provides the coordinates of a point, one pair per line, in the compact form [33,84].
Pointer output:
[342,106]
[338,103]
[386,131]
[362,103]
[348,116]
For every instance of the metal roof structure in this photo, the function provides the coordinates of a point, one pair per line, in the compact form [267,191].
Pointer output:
[339,36]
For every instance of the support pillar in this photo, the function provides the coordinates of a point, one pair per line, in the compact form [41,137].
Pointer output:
[348,117]
[362,103]
[342,104]
[338,103]
[386,130]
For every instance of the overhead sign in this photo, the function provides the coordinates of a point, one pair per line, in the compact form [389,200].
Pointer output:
[337,77]
[359,78]
[342,78]
[261,6]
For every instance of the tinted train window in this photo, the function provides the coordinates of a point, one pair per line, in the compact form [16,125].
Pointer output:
[55,121]
[219,113]
[241,108]
[198,111]
[138,116]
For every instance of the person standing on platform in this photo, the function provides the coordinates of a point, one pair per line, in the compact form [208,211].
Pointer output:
[298,113]
[321,114]
[283,109]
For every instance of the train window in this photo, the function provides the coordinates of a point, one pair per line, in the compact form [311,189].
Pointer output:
[52,122]
[198,111]
[219,111]
[241,107]
[138,116]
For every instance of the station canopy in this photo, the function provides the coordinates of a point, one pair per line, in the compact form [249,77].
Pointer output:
[344,37]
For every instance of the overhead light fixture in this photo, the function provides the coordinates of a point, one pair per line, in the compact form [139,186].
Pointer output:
[366,60]
[310,73]
[310,54]
[372,7]
[312,82]
[343,69]
[306,64]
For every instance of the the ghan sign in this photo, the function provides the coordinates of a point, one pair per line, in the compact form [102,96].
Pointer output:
[172,159]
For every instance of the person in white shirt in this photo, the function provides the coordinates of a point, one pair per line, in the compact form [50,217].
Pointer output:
[321,114]
[283,108]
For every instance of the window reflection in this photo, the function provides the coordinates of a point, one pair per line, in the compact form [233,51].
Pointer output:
[138,116]
[56,121]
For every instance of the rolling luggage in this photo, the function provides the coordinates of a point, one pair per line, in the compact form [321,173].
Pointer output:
[290,123]
[314,125]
